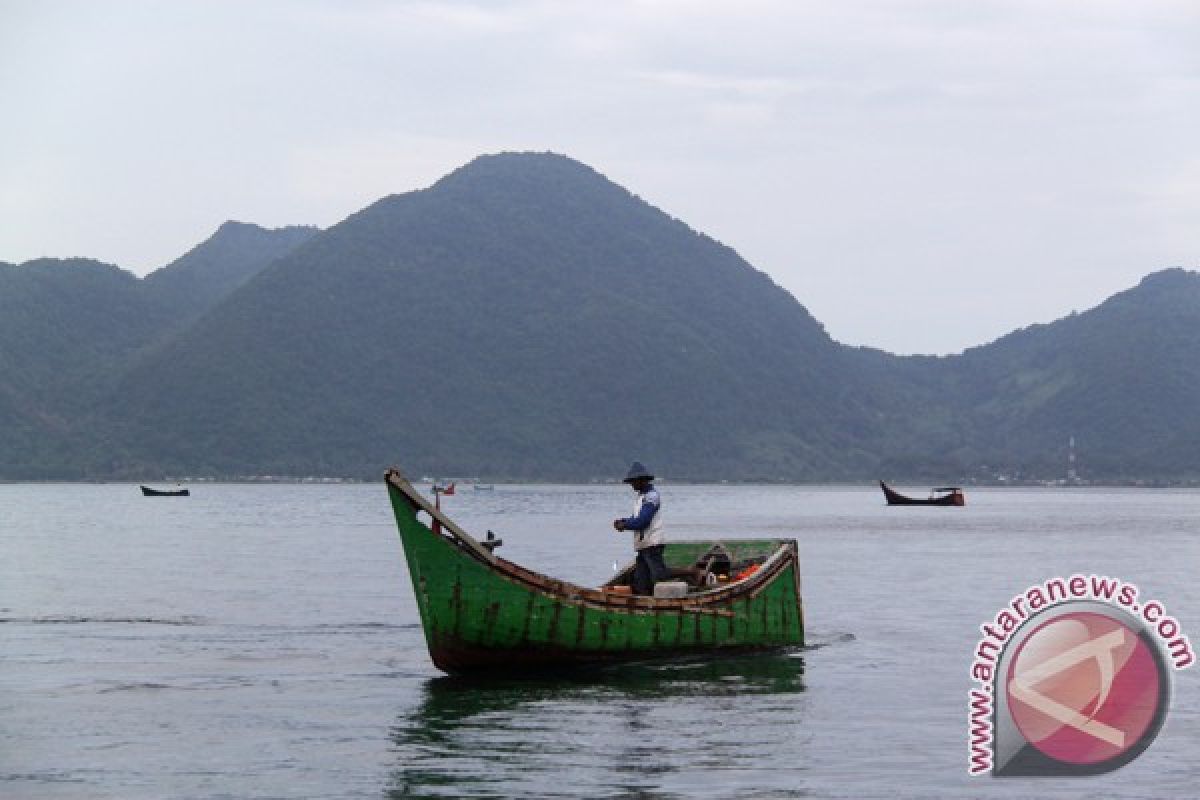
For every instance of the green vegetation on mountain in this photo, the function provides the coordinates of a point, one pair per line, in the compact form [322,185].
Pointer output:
[65,329]
[196,281]
[1123,379]
[70,328]
[526,318]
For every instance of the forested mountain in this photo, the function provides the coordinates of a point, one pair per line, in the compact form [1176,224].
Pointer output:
[1120,379]
[66,328]
[523,317]
[1123,379]
[526,318]
[70,328]
[223,262]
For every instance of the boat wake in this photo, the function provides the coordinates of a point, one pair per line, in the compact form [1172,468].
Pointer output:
[815,641]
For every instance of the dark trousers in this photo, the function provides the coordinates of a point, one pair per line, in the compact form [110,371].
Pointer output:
[649,569]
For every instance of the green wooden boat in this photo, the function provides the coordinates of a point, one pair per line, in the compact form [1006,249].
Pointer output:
[483,613]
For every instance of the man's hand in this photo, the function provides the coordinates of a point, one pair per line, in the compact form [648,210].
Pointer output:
[619,524]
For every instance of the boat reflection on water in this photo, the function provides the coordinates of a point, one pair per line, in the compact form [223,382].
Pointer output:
[619,730]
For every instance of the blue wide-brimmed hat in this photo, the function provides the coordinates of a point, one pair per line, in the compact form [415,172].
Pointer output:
[637,470]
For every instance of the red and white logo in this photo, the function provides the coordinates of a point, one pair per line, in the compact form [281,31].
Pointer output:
[1072,677]
[1084,688]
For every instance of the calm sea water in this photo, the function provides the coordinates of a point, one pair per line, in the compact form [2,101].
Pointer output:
[263,642]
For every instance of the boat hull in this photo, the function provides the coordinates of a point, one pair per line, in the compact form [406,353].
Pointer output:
[149,492]
[894,498]
[497,616]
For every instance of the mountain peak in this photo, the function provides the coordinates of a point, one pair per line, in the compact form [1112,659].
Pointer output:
[236,252]
[48,265]
[527,168]
[233,228]
[1170,279]
[523,160]
[1169,290]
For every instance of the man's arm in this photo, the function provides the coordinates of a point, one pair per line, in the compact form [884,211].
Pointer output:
[650,503]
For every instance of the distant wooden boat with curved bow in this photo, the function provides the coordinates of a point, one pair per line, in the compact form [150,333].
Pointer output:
[940,496]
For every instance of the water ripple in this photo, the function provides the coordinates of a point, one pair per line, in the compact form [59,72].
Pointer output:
[105,620]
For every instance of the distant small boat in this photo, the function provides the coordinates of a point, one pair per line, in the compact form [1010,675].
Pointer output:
[484,487]
[940,496]
[149,492]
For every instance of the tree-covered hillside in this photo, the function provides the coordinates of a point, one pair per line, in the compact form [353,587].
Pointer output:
[234,254]
[526,318]
[71,328]
[1123,379]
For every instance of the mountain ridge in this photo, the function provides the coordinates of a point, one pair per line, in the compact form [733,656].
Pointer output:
[526,318]
[390,252]
[70,328]
[232,255]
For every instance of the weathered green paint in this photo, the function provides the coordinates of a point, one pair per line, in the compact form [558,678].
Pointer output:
[479,612]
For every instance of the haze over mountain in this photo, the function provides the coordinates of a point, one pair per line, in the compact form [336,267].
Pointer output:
[526,318]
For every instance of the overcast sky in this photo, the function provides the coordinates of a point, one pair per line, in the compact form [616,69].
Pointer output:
[923,176]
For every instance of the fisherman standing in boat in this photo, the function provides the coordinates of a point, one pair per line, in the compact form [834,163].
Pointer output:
[647,527]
